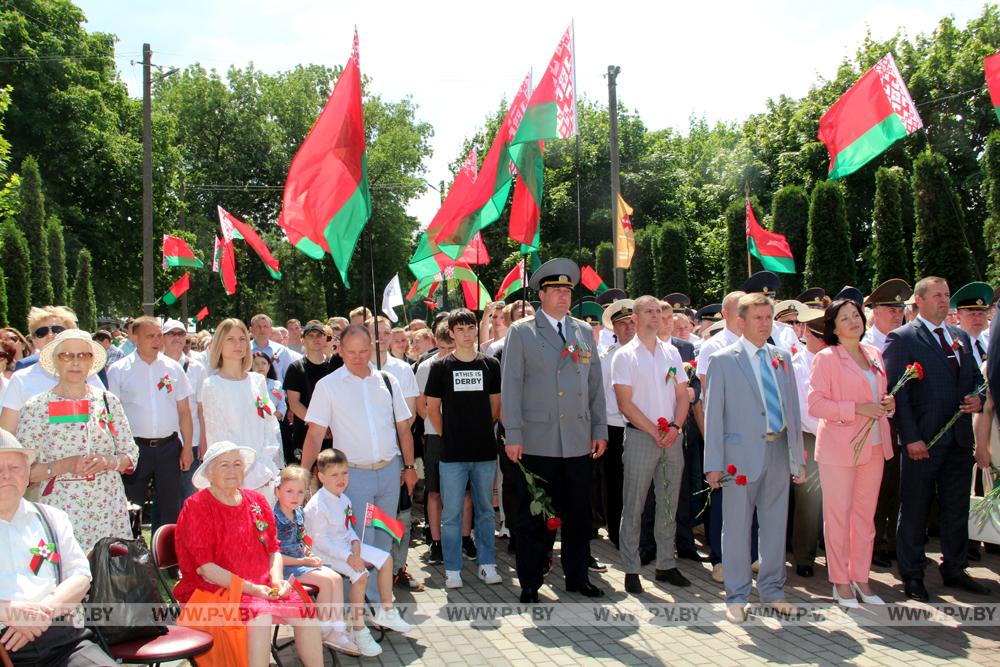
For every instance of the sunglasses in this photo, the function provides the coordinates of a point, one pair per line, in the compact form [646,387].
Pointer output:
[175,332]
[42,332]
[70,356]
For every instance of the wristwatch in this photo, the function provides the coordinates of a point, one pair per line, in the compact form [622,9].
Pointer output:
[48,470]
[409,466]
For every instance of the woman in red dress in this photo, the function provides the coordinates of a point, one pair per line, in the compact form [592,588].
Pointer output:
[225,531]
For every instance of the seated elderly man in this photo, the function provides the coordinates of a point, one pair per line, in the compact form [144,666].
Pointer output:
[44,574]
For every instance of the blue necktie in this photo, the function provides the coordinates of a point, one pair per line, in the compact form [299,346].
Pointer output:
[771,400]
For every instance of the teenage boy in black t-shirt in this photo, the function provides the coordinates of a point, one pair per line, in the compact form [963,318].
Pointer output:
[463,403]
[300,379]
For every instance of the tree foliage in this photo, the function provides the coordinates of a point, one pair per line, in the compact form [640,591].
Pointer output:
[31,220]
[57,259]
[829,258]
[890,257]
[736,245]
[669,266]
[84,302]
[940,247]
[3,299]
[14,259]
[991,231]
[790,217]
[639,279]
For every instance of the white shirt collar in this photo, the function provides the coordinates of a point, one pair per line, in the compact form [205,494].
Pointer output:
[931,327]
[750,348]
[554,321]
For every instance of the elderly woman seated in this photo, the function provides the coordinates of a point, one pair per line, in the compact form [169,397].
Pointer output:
[226,531]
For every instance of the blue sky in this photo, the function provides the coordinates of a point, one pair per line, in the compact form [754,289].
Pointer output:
[720,60]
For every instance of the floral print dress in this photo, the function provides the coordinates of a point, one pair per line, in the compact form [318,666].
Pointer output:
[97,507]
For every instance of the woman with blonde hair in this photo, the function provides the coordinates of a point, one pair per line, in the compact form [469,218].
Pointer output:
[235,405]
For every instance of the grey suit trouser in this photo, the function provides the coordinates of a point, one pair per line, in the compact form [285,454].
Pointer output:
[769,494]
[645,462]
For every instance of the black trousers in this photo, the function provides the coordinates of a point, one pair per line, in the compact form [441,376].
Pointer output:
[62,646]
[614,480]
[887,509]
[690,502]
[509,490]
[949,469]
[162,465]
[568,484]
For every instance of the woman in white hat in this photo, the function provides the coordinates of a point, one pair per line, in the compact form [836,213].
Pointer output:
[226,530]
[83,440]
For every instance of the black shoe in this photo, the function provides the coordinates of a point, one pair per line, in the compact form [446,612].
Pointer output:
[804,570]
[992,548]
[512,545]
[435,557]
[915,590]
[673,577]
[881,558]
[468,548]
[692,554]
[529,596]
[548,566]
[586,589]
[974,554]
[647,556]
[632,584]
[968,584]
[596,565]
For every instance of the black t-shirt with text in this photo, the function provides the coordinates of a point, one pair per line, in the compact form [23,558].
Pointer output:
[464,388]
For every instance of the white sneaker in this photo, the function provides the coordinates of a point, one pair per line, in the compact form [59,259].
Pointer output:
[488,574]
[391,620]
[366,643]
[453,579]
[341,642]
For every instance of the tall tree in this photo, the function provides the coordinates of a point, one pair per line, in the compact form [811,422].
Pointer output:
[57,259]
[940,247]
[991,164]
[640,275]
[890,258]
[84,302]
[790,216]
[3,299]
[669,262]
[829,257]
[31,220]
[606,259]
[736,245]
[16,264]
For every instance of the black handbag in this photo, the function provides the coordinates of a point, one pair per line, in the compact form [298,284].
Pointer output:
[124,576]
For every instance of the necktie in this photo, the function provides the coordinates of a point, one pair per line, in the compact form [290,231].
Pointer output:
[771,400]
[980,351]
[559,329]
[948,352]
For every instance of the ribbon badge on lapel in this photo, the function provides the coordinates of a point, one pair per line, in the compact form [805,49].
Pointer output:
[263,407]
[777,360]
[45,551]
[570,349]
[671,375]
[349,518]
[166,382]
[956,345]
[106,420]
[259,523]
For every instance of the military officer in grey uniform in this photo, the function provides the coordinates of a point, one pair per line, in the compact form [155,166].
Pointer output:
[556,424]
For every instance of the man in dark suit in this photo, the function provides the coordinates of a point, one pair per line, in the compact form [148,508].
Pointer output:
[922,409]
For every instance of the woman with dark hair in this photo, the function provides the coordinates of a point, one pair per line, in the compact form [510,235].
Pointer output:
[263,364]
[847,390]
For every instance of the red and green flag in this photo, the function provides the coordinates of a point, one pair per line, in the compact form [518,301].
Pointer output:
[69,412]
[513,282]
[202,314]
[592,281]
[327,203]
[551,114]
[176,252]
[770,248]
[418,289]
[376,518]
[234,228]
[177,289]
[992,66]
[875,113]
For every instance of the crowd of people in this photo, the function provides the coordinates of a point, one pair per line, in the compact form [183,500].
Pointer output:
[731,434]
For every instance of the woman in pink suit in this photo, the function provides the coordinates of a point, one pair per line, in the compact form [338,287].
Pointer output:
[847,389]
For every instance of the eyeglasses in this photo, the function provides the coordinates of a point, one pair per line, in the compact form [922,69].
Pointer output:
[175,332]
[42,332]
[70,356]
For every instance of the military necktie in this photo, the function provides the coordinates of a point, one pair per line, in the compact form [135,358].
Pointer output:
[559,329]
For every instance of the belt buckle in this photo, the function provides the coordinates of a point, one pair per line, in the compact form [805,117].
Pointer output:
[771,437]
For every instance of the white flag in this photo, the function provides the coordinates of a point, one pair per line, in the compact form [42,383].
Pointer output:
[392,296]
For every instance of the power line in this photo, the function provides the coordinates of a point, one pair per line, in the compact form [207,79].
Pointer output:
[52,58]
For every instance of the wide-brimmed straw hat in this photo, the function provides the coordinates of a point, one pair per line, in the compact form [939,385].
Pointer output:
[200,477]
[47,357]
[8,443]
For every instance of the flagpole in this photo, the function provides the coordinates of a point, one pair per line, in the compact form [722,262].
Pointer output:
[579,234]
[375,310]
[524,284]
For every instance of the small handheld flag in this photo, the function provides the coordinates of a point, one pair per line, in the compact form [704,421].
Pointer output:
[377,518]
[69,412]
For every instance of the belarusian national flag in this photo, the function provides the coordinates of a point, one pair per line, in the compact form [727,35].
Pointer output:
[326,202]
[770,248]
[624,235]
[871,116]
[420,290]
[238,229]
[176,252]
[216,255]
[551,114]
[202,314]
[226,259]
[513,282]
[376,518]
[69,412]
[433,264]
[592,281]
[177,289]
[992,66]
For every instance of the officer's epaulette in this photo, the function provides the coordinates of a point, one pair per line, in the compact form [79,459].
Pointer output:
[608,350]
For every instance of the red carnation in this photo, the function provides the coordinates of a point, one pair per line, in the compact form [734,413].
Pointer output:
[918,369]
[731,469]
[741,480]
[553,523]
[694,363]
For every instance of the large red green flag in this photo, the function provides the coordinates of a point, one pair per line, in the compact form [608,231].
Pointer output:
[551,114]
[233,228]
[177,289]
[176,252]
[513,282]
[592,280]
[327,202]
[770,248]
[992,66]
[875,113]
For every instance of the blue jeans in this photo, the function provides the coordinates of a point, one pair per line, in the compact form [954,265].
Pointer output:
[381,488]
[454,478]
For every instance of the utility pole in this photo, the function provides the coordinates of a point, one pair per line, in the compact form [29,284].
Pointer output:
[147,183]
[613,72]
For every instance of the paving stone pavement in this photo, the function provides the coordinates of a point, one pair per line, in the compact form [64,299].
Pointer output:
[519,641]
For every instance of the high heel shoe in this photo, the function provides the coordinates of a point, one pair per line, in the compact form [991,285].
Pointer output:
[867,599]
[846,603]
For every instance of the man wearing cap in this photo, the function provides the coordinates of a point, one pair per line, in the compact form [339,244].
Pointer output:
[887,302]
[604,299]
[33,597]
[301,379]
[973,305]
[706,316]
[617,318]
[154,391]
[951,377]
[787,312]
[174,335]
[814,297]
[556,424]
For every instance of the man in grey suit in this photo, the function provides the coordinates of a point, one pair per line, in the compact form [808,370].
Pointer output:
[752,421]
[554,416]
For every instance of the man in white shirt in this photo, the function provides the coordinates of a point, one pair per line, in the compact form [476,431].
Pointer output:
[38,588]
[390,364]
[651,389]
[281,357]
[154,392]
[887,302]
[174,336]
[370,422]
